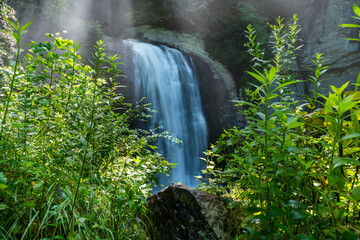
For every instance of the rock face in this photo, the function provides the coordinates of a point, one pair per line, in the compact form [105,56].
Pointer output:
[190,25]
[322,34]
[190,20]
[178,212]
[201,19]
[196,17]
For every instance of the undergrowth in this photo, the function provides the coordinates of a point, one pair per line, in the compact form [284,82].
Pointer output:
[294,169]
[70,165]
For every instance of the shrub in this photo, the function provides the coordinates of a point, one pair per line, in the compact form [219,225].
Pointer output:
[71,167]
[294,168]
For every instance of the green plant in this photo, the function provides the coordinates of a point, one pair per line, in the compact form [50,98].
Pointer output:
[294,168]
[7,42]
[71,166]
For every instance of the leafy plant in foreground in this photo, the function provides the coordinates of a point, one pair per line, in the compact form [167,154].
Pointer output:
[294,168]
[71,167]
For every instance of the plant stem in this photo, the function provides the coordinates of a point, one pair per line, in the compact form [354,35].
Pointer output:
[3,122]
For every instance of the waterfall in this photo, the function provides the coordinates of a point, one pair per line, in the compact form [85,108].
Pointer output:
[168,81]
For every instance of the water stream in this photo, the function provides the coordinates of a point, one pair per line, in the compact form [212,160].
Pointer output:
[168,81]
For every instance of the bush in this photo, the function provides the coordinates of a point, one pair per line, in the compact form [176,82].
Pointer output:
[71,167]
[294,169]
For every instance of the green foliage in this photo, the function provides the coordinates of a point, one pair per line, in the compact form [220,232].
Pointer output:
[7,42]
[356,10]
[160,18]
[71,167]
[294,169]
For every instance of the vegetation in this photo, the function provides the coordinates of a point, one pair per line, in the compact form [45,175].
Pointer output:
[227,45]
[71,167]
[294,169]
[7,43]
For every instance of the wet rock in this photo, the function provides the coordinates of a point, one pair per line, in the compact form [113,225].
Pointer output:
[178,212]
[187,25]
[322,34]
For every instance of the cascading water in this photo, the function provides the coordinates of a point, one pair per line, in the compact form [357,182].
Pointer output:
[168,80]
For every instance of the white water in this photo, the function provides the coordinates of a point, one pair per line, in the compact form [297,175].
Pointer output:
[168,80]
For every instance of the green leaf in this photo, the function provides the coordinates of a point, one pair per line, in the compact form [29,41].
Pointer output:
[29,204]
[299,215]
[356,9]
[2,186]
[238,159]
[245,103]
[342,88]
[293,123]
[80,220]
[352,39]
[275,211]
[285,84]
[6,73]
[3,179]
[304,237]
[285,229]
[352,150]
[349,25]
[258,76]
[252,231]
[353,135]
[59,237]
[354,119]
[3,206]
[294,203]
[13,25]
[280,171]
[16,36]
[346,107]
[261,115]
[308,165]
[271,75]
[348,235]
[355,193]
[272,96]
[357,82]
[83,141]
[25,27]
[340,162]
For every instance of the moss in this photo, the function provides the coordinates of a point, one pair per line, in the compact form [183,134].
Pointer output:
[159,13]
[215,215]
[227,46]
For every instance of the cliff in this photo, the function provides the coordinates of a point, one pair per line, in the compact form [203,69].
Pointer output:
[211,31]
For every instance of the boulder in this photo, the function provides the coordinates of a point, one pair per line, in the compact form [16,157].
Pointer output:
[178,212]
